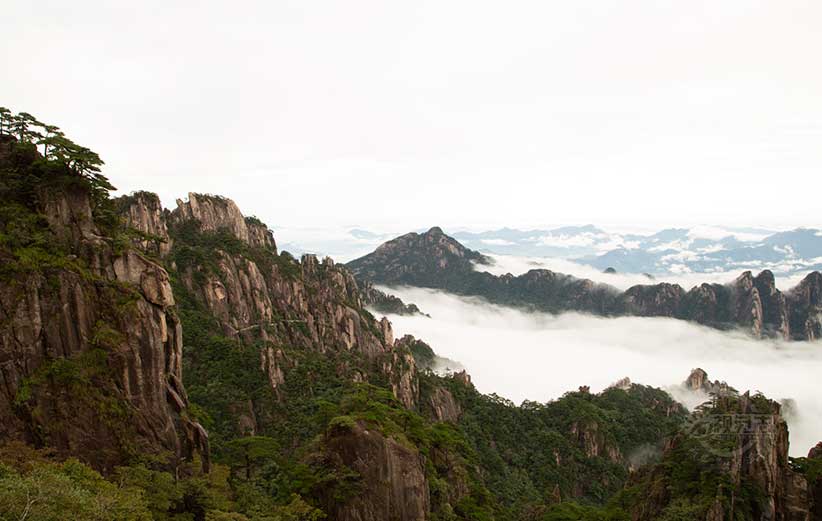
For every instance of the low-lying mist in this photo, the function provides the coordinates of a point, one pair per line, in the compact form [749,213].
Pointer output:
[538,356]
[517,265]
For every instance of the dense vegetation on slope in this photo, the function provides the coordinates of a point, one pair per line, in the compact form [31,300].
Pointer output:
[313,411]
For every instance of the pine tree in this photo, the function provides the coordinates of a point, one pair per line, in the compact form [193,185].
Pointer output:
[5,120]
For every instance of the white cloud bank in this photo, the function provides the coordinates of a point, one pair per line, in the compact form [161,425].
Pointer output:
[541,356]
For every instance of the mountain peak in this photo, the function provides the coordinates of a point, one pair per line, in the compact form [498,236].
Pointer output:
[435,230]
[413,257]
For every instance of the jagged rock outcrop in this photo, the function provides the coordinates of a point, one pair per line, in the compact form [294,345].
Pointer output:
[144,213]
[698,381]
[762,458]
[623,384]
[385,303]
[90,362]
[590,438]
[805,305]
[661,300]
[752,303]
[742,443]
[214,213]
[774,306]
[392,475]
[255,293]
[815,483]
[443,406]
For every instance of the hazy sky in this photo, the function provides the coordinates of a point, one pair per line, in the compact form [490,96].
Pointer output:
[409,114]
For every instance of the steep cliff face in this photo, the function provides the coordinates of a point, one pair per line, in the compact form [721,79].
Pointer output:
[592,440]
[214,213]
[143,213]
[392,476]
[90,362]
[385,303]
[737,450]
[659,300]
[230,265]
[752,303]
[698,381]
[806,307]
[761,458]
[814,478]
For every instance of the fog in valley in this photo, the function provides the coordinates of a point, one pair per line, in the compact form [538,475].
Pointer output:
[539,356]
[517,265]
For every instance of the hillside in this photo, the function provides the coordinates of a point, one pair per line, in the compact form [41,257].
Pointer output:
[172,364]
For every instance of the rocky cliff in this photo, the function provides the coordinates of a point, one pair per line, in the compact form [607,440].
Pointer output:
[698,381]
[395,488]
[813,474]
[90,360]
[752,303]
[230,265]
[729,462]
[145,216]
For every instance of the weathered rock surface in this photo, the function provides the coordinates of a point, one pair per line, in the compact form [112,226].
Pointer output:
[144,213]
[385,303]
[751,452]
[392,475]
[805,307]
[590,438]
[443,406]
[214,213]
[90,362]
[698,381]
[762,458]
[259,294]
[815,485]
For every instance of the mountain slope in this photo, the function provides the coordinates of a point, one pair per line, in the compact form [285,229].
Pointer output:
[305,323]
[313,410]
[91,359]
[753,303]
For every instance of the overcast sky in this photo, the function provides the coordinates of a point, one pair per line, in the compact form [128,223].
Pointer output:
[391,114]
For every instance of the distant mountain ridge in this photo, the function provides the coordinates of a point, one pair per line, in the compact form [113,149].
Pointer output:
[673,250]
[753,303]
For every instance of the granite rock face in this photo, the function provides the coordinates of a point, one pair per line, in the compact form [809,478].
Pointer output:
[393,475]
[698,381]
[749,453]
[214,213]
[144,213]
[805,307]
[383,302]
[90,362]
[815,484]
[257,294]
[762,458]
[443,406]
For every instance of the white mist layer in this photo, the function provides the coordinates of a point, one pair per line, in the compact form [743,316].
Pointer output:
[538,356]
[517,265]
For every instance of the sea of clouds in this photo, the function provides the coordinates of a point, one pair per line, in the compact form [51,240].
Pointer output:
[539,356]
[517,265]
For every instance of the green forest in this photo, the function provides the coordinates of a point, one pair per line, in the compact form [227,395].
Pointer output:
[574,458]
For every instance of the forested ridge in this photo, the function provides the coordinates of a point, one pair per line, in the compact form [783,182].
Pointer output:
[174,365]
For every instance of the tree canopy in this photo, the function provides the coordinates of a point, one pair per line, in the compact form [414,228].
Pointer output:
[56,148]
